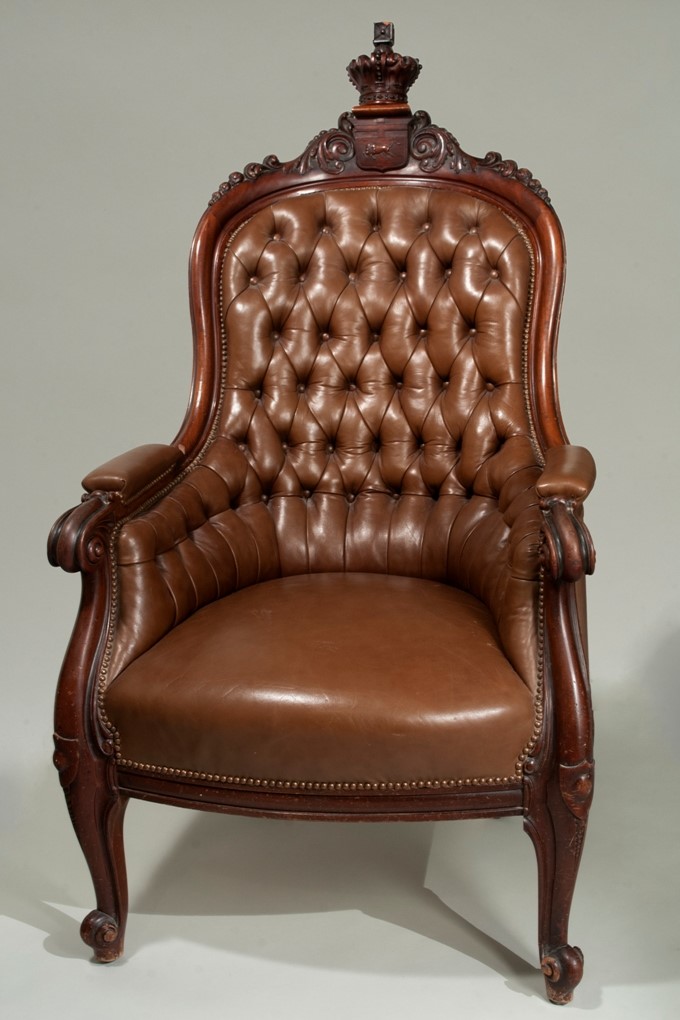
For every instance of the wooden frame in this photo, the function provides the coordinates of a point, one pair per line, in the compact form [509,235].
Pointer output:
[556,789]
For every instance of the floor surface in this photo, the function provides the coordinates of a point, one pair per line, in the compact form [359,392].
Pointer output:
[245,918]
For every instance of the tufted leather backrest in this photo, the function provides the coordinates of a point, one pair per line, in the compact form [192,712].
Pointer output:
[375,372]
[374,411]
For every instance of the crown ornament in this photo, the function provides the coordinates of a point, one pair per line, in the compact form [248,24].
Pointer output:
[383,78]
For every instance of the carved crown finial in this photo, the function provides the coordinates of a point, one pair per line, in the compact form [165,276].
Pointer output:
[385,77]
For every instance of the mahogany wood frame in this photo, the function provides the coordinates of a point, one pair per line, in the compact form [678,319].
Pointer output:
[554,795]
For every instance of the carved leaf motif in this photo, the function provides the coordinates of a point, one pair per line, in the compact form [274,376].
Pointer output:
[432,145]
[508,168]
[576,787]
[250,173]
[329,150]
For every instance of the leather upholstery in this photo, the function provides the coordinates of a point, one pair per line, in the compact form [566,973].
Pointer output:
[328,679]
[374,416]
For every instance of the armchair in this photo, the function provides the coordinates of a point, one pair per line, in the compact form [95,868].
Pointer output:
[352,587]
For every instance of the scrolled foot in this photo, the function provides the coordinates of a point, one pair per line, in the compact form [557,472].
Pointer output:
[103,935]
[563,969]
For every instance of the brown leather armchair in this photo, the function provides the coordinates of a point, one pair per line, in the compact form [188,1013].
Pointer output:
[353,586]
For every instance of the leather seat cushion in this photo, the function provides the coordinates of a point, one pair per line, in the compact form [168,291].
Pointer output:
[320,680]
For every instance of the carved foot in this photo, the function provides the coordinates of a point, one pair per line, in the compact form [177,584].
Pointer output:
[563,969]
[103,935]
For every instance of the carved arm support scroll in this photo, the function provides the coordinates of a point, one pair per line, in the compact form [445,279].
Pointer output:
[567,479]
[78,539]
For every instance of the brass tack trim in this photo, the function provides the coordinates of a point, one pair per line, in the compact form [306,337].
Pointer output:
[317,786]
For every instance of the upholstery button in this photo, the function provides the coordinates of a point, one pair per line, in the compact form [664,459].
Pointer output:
[445,384]
[325,337]
[275,336]
[301,387]
[376,228]
[352,386]
[350,497]
[490,386]
[423,332]
[330,448]
[284,445]
[472,230]
[276,237]
[426,226]
[265,497]
[473,332]
[402,275]
[399,384]
[258,393]
[351,277]
[301,278]
[395,495]
[306,494]
[494,273]
[447,274]
[253,280]
[376,338]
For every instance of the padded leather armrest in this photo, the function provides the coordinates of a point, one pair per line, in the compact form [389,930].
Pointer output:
[133,472]
[568,477]
[569,474]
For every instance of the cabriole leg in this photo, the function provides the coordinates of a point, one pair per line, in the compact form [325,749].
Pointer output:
[97,811]
[557,827]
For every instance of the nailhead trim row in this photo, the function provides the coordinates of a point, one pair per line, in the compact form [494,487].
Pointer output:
[337,786]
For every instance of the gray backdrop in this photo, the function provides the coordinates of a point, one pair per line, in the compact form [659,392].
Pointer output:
[119,118]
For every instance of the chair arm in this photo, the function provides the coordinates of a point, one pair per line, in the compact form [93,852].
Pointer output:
[567,479]
[134,473]
[78,538]
[569,474]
